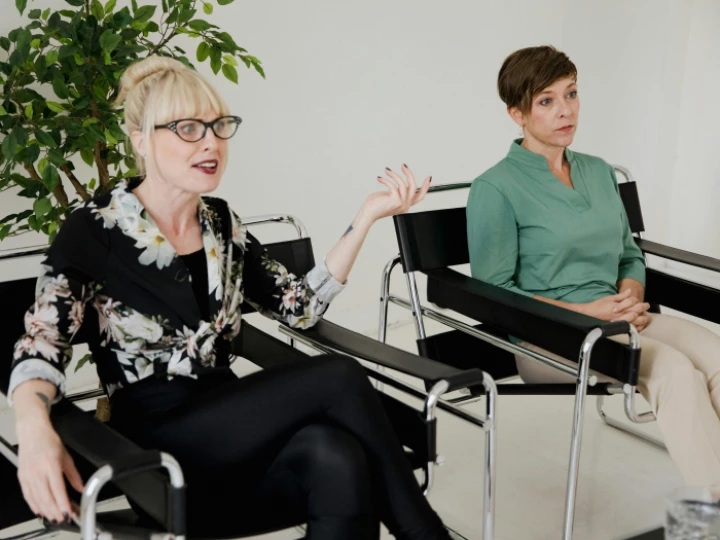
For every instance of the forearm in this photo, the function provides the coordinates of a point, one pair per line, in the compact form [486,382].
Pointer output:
[342,256]
[637,289]
[577,308]
[32,401]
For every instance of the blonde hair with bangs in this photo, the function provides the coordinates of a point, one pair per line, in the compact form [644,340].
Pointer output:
[158,90]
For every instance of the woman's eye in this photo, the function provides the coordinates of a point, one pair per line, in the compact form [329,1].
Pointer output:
[545,102]
[188,128]
[573,94]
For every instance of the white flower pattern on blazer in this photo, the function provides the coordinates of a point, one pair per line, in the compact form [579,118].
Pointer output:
[110,256]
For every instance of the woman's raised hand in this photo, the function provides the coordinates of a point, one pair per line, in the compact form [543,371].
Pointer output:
[401,195]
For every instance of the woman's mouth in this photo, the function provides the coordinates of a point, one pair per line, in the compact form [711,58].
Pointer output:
[566,129]
[208,166]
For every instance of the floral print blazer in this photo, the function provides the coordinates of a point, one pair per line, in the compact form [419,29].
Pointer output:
[111,257]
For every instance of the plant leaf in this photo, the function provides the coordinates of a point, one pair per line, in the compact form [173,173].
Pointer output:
[29,110]
[230,72]
[42,206]
[109,40]
[96,9]
[200,25]
[84,360]
[9,146]
[110,6]
[76,3]
[144,13]
[203,51]
[60,88]
[42,165]
[21,5]
[224,2]
[51,57]
[230,59]
[208,8]
[87,156]
[34,14]
[54,106]
[3,112]
[50,177]
[44,138]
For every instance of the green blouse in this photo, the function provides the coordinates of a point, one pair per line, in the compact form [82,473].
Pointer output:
[531,234]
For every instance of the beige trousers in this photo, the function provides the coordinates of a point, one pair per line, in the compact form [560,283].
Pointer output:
[680,378]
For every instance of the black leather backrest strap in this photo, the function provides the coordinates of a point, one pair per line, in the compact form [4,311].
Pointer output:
[296,255]
[631,201]
[15,299]
[434,239]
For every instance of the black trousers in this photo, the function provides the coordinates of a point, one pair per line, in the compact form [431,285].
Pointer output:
[306,442]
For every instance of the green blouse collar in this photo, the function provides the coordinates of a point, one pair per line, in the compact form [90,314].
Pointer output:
[531,160]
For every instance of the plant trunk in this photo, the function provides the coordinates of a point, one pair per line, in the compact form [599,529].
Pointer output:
[58,191]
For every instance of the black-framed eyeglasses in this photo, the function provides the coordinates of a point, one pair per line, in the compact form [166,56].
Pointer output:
[193,130]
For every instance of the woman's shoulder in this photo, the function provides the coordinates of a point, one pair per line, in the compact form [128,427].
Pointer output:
[496,178]
[590,160]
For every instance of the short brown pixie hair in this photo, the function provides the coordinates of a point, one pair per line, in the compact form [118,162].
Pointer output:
[527,72]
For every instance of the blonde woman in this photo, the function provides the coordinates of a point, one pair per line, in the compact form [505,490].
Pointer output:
[166,270]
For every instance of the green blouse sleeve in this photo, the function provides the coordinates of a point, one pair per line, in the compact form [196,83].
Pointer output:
[492,237]
[632,261]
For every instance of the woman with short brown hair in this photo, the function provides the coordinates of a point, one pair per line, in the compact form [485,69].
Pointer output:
[548,223]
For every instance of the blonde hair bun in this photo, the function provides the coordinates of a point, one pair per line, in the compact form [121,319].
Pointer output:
[144,69]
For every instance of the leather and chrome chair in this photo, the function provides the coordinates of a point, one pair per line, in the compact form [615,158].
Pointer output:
[433,242]
[114,467]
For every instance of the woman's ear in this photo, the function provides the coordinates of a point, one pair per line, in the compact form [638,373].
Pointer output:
[517,116]
[138,142]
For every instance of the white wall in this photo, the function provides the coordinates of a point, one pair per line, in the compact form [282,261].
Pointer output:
[353,87]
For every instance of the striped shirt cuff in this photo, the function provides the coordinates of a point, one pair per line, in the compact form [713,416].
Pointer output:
[323,284]
[34,368]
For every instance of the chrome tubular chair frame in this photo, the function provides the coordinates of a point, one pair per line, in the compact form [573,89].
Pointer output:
[581,373]
[431,400]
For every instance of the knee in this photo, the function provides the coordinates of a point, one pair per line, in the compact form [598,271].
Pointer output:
[678,373]
[334,461]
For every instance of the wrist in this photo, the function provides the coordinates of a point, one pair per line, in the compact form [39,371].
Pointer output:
[363,221]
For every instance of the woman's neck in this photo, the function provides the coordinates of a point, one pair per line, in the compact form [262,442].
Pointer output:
[173,210]
[555,155]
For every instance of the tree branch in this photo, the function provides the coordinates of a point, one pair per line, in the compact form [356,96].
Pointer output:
[104,175]
[58,191]
[79,188]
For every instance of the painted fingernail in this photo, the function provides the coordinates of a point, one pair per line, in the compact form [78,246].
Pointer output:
[388,169]
[379,177]
[405,165]
[67,517]
[431,179]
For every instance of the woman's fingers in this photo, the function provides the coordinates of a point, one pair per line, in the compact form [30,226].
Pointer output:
[389,184]
[59,493]
[625,304]
[46,501]
[412,185]
[72,473]
[399,180]
[420,194]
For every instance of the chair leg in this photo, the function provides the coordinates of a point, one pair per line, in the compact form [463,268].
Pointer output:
[624,427]
[573,468]
[384,302]
[490,452]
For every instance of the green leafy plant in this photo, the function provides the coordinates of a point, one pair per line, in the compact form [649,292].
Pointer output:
[59,76]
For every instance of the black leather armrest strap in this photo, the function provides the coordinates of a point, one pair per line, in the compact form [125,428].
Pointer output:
[674,254]
[101,445]
[555,329]
[360,346]
[464,379]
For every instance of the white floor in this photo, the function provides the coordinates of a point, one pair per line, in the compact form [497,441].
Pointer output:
[622,487]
